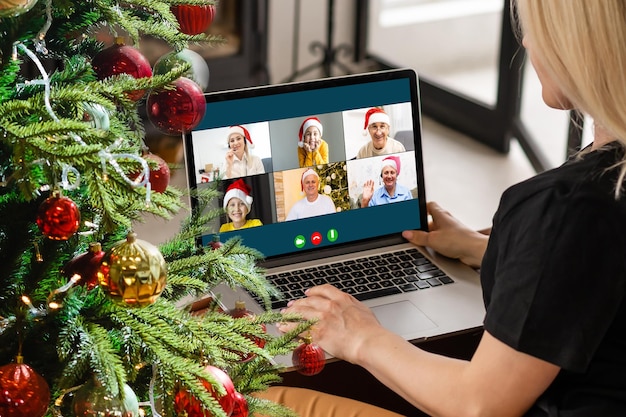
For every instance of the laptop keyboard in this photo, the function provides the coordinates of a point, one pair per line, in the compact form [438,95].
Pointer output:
[364,278]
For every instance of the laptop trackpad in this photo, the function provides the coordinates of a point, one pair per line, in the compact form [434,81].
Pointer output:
[402,318]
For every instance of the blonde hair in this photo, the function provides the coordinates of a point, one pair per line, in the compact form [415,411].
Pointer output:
[582,45]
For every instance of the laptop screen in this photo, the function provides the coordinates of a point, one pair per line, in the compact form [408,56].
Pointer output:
[315,167]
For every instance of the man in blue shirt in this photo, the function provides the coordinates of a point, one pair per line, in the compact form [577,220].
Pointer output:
[391,191]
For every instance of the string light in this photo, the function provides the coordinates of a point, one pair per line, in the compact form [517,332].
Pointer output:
[38,256]
[55,299]
[65,183]
[39,41]
[151,392]
[30,305]
[5,323]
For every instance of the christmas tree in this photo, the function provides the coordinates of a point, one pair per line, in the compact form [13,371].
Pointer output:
[93,319]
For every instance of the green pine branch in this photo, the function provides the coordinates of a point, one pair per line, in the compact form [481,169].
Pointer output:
[86,335]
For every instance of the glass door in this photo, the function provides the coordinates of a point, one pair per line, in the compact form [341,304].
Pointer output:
[471,68]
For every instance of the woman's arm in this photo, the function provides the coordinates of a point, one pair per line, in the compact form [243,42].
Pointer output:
[498,381]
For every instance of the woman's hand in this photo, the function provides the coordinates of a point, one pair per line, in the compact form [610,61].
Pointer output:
[450,237]
[344,324]
[230,157]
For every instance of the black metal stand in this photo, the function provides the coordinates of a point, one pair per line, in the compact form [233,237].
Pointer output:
[329,52]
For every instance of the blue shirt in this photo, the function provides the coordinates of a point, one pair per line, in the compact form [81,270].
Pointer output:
[381,196]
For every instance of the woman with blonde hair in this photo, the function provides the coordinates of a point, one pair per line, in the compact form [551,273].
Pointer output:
[239,162]
[553,269]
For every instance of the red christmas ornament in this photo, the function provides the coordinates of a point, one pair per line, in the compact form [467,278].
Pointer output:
[122,59]
[241,406]
[308,358]
[184,402]
[159,176]
[58,217]
[215,242]
[240,311]
[194,20]
[86,265]
[178,110]
[23,392]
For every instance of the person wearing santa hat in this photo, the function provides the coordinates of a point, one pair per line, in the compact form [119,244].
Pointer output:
[239,162]
[237,203]
[390,191]
[312,149]
[313,203]
[377,126]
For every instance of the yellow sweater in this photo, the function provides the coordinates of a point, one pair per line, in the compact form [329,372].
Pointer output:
[318,157]
[229,227]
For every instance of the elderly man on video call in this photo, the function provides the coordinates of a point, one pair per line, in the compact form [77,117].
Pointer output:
[313,203]
[377,126]
[390,191]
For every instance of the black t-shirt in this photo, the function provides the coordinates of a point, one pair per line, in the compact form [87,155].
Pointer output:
[554,282]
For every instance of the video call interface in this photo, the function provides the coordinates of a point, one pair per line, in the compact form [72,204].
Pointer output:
[296,190]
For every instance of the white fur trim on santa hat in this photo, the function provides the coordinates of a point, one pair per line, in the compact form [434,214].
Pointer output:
[378,117]
[236,129]
[237,193]
[309,172]
[243,132]
[375,115]
[391,161]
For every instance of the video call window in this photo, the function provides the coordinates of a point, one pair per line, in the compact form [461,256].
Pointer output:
[258,166]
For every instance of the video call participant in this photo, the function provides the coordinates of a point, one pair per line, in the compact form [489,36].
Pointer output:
[237,203]
[239,162]
[377,126]
[312,149]
[390,191]
[313,203]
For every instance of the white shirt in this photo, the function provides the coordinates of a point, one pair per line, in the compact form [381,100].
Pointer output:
[248,165]
[304,208]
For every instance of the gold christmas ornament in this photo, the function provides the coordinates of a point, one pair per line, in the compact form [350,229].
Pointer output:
[133,272]
[13,8]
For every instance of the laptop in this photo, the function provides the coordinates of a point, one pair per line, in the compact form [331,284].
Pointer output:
[436,297]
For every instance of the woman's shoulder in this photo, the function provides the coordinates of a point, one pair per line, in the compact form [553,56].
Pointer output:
[586,183]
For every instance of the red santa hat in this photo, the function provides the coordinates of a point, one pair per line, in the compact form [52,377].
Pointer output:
[391,161]
[307,123]
[375,115]
[240,190]
[243,132]
[306,174]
